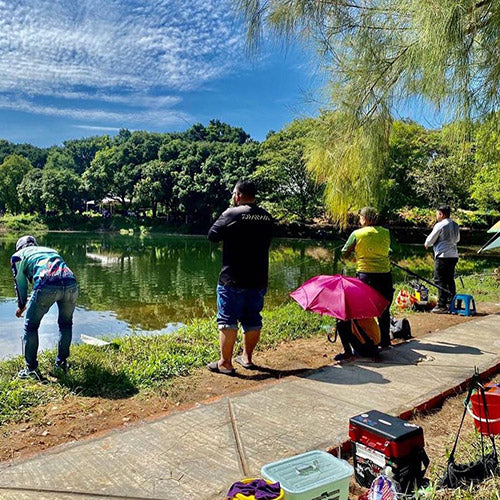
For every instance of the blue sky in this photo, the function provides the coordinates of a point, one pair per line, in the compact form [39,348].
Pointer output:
[71,69]
[75,68]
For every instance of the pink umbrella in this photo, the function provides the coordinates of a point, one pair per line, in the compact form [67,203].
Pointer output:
[341,297]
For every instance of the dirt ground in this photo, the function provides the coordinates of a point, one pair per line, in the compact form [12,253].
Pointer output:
[76,418]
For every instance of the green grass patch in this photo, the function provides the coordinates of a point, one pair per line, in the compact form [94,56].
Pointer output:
[131,365]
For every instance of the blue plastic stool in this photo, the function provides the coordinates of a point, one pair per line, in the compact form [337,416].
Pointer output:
[469,305]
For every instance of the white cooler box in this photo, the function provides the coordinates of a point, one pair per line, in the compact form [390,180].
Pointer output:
[315,475]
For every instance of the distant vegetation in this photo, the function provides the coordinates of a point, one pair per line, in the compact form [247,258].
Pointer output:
[185,178]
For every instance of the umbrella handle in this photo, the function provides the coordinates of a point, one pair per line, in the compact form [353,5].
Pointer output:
[329,335]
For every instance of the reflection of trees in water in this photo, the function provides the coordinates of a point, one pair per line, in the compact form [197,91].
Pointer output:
[149,281]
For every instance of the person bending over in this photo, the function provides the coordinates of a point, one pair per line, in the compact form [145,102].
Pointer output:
[53,281]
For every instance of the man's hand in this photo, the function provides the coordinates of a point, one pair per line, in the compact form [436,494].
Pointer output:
[20,311]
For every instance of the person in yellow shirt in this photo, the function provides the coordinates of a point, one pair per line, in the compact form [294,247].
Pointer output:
[371,247]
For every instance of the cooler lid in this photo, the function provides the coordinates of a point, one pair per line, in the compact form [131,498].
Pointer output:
[305,472]
[387,426]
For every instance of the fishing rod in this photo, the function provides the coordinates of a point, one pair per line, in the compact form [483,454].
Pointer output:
[415,275]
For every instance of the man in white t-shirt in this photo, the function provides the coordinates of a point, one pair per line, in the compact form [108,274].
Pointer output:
[444,238]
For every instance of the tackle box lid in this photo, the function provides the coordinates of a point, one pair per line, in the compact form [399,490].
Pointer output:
[307,471]
[387,426]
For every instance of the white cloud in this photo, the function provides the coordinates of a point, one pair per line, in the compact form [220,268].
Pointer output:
[97,127]
[114,51]
[160,117]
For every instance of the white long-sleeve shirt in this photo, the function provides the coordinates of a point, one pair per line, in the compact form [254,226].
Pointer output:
[444,237]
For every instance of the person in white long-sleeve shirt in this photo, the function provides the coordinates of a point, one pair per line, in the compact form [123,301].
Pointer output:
[444,238]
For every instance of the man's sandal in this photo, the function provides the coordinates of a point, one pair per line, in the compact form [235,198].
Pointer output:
[214,368]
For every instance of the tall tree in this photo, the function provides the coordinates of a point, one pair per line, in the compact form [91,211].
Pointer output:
[282,176]
[485,188]
[380,53]
[83,151]
[61,190]
[12,171]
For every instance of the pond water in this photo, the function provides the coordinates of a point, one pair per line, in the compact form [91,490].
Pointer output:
[151,284]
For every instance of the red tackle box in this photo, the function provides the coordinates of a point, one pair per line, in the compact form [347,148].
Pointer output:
[383,444]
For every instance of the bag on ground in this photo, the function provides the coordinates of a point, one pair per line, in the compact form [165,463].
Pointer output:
[400,329]
[458,475]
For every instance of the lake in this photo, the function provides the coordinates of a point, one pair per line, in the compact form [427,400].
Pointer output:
[150,284]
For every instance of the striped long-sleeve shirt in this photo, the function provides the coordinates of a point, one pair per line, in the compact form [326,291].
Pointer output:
[38,266]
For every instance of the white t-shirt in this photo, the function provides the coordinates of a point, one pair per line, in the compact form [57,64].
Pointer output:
[444,237]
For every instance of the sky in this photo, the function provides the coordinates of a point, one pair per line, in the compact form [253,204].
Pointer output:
[77,68]
[71,69]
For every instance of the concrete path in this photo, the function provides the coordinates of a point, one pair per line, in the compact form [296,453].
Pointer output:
[199,453]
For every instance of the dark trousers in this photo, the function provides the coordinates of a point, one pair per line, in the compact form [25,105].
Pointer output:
[350,341]
[444,276]
[382,282]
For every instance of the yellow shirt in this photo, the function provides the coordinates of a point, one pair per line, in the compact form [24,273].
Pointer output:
[371,247]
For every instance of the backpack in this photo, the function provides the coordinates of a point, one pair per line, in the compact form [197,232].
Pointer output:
[400,329]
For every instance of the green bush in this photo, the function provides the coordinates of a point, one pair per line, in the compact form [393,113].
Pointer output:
[426,217]
[22,223]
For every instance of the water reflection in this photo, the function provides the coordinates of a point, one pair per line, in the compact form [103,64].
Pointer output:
[94,323]
[133,283]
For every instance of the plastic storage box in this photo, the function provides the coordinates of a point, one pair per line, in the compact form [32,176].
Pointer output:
[315,475]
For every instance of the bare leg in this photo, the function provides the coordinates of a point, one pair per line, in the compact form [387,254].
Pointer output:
[251,338]
[227,338]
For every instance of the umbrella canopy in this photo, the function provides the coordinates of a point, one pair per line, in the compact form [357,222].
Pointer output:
[495,228]
[494,241]
[494,244]
[341,297]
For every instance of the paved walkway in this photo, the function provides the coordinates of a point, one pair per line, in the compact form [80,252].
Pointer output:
[199,453]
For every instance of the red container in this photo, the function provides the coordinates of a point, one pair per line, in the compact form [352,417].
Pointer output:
[490,425]
[389,435]
[381,441]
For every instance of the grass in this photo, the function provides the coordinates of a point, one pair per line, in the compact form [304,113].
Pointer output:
[131,365]
[470,451]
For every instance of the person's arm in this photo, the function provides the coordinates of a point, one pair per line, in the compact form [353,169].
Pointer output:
[432,238]
[349,246]
[20,283]
[218,229]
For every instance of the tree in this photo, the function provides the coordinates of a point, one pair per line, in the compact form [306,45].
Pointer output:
[61,190]
[216,131]
[30,192]
[12,171]
[380,53]
[485,188]
[83,151]
[60,159]
[282,176]
[155,185]
[110,175]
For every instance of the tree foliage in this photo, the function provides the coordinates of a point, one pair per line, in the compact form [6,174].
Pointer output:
[379,53]
[290,190]
[12,171]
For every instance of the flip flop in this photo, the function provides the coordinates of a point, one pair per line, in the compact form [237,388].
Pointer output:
[248,366]
[214,367]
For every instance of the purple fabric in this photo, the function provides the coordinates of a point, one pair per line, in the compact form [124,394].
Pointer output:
[259,488]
